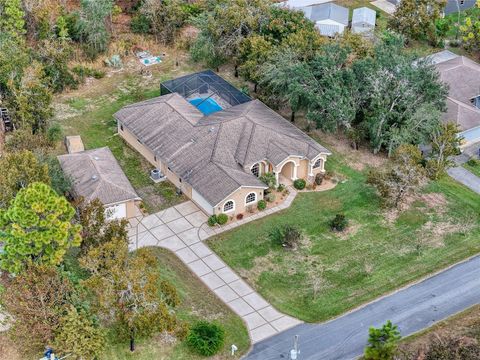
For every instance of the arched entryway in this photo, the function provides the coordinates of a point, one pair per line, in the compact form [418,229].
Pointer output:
[288,173]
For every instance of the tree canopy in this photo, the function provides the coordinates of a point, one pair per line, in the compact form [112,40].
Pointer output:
[37,227]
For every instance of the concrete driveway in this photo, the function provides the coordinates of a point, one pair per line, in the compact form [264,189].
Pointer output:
[180,230]
[412,309]
[465,177]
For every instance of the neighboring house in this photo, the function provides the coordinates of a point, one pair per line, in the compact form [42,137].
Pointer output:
[451,7]
[363,20]
[330,19]
[96,174]
[463,78]
[216,159]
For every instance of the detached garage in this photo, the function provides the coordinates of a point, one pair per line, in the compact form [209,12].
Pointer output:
[96,174]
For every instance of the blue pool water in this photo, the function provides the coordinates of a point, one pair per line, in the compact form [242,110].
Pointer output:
[207,107]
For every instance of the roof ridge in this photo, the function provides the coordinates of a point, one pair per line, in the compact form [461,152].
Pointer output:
[148,101]
[254,127]
[216,142]
[220,166]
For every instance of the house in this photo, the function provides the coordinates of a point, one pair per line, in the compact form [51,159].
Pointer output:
[452,6]
[363,20]
[330,19]
[96,174]
[214,142]
[297,4]
[462,75]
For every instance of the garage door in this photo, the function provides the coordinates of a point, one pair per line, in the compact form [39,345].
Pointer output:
[116,212]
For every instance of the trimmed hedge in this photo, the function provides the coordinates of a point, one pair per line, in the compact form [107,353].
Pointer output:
[212,220]
[222,219]
[299,184]
[262,205]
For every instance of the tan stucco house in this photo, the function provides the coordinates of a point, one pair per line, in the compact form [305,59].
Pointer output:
[213,142]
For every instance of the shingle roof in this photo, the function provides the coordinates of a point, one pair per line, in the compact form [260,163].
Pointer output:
[463,78]
[97,174]
[214,153]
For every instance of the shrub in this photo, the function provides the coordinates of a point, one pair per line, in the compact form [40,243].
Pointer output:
[299,184]
[288,236]
[319,178]
[473,162]
[382,342]
[140,24]
[339,223]
[262,205]
[222,219]
[212,220]
[281,187]
[206,338]
[250,209]
[239,216]
[270,197]
[83,72]
[269,179]
[54,133]
[452,348]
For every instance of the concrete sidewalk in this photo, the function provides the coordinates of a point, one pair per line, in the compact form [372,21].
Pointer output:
[465,177]
[178,229]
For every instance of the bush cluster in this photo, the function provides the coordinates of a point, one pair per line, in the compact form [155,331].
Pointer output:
[319,178]
[288,236]
[339,223]
[206,338]
[299,184]
[270,197]
[222,219]
[262,205]
[212,220]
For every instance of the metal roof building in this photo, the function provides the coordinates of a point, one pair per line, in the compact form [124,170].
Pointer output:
[329,18]
[363,20]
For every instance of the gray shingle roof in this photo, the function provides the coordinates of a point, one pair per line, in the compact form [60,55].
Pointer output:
[214,153]
[97,174]
[463,78]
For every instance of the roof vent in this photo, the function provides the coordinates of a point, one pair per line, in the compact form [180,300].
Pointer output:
[96,158]
[476,101]
[94,177]
[212,129]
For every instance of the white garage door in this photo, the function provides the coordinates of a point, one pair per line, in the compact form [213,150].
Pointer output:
[116,211]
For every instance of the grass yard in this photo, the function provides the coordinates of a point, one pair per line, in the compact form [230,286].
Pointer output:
[473,168]
[331,272]
[198,303]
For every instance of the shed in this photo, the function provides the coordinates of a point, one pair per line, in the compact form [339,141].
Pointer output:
[96,174]
[363,20]
[329,18]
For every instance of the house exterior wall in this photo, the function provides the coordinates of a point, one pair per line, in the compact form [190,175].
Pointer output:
[133,142]
[238,198]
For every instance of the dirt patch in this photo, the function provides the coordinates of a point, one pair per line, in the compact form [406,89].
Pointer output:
[435,203]
[351,230]
[357,159]
[8,349]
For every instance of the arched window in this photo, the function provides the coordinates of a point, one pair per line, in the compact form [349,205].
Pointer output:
[317,164]
[250,198]
[229,206]
[256,169]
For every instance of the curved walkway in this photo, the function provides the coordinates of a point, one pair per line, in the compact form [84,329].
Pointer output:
[182,230]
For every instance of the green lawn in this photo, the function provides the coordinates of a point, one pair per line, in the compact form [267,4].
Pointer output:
[331,273]
[197,303]
[475,169]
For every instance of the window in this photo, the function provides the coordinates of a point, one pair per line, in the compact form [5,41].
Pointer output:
[317,164]
[228,206]
[250,198]
[256,170]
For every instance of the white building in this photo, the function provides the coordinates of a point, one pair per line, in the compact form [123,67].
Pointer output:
[363,20]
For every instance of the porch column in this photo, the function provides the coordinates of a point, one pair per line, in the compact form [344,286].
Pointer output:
[310,168]
[294,171]
[276,177]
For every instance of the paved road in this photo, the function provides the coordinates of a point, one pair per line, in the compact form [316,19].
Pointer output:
[465,177]
[412,309]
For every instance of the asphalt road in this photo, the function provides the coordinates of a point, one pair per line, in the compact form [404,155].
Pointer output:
[412,309]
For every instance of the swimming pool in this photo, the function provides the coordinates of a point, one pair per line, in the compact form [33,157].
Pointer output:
[208,106]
